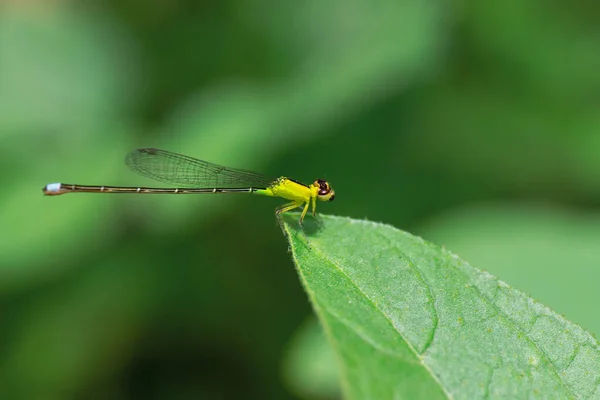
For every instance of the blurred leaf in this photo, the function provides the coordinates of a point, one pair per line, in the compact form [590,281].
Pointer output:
[548,252]
[513,110]
[60,69]
[71,335]
[507,141]
[408,319]
[57,228]
[310,367]
[64,73]
[533,49]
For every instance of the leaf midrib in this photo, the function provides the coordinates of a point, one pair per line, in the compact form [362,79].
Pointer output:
[385,316]
[456,268]
[485,298]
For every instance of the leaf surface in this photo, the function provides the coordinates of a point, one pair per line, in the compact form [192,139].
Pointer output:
[408,319]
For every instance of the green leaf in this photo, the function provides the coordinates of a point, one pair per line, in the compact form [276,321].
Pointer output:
[548,252]
[408,319]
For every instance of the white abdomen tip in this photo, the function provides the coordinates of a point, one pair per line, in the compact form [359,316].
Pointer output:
[53,187]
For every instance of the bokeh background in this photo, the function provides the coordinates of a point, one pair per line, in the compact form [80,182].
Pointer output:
[474,124]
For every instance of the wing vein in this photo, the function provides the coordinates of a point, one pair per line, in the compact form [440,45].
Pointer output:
[177,169]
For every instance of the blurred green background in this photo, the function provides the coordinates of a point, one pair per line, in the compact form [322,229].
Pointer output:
[473,124]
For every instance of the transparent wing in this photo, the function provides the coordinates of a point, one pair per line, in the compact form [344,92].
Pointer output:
[177,169]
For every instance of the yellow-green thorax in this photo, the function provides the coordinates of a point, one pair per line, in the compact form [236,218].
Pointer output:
[291,190]
[300,195]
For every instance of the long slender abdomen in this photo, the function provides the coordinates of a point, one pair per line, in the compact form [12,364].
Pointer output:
[55,189]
